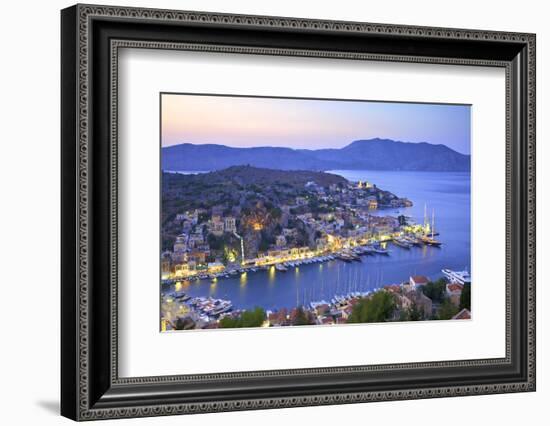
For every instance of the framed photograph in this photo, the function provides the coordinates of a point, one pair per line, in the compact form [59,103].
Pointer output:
[308,230]
[263,212]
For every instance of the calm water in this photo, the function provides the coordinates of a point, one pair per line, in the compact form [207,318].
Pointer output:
[448,194]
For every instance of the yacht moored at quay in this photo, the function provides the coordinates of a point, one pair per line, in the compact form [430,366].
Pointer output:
[459,277]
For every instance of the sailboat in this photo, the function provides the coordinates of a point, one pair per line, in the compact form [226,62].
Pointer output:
[431,241]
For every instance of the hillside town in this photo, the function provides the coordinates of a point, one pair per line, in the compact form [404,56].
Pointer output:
[232,224]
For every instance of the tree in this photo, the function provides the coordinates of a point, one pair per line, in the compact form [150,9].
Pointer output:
[184,323]
[214,242]
[229,322]
[378,308]
[203,217]
[229,255]
[266,240]
[412,314]
[447,310]
[465,297]
[251,318]
[313,205]
[301,317]
[275,213]
[435,290]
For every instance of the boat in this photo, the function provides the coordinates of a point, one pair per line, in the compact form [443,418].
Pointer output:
[430,240]
[181,296]
[412,240]
[280,268]
[363,251]
[459,277]
[380,250]
[369,250]
[314,305]
[223,310]
[345,257]
[401,242]
[222,306]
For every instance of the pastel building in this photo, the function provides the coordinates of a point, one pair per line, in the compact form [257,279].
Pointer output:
[216,227]
[229,224]
[280,241]
[454,290]
[418,280]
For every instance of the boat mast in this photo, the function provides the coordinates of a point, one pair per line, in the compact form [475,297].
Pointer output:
[425,215]
[433,222]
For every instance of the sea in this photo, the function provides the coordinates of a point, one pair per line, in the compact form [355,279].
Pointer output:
[446,195]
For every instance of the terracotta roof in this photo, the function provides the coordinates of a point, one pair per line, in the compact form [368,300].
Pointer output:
[454,287]
[419,279]
[463,314]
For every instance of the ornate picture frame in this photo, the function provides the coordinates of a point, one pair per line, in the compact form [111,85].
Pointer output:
[91,37]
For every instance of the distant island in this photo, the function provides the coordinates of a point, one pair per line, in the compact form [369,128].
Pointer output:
[370,154]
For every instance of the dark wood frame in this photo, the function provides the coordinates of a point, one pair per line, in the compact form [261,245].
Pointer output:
[91,37]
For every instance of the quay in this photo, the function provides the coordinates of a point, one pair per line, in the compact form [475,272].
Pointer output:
[347,255]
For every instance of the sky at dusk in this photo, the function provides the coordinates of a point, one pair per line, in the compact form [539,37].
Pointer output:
[308,124]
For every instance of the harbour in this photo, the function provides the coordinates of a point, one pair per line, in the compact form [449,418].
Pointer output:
[363,268]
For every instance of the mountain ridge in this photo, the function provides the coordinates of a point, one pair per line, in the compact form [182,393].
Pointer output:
[367,154]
